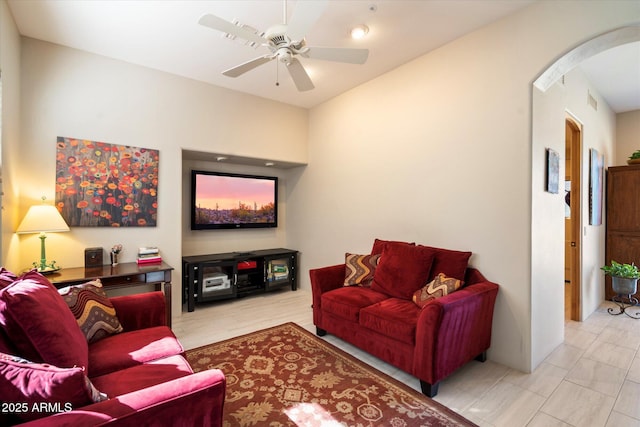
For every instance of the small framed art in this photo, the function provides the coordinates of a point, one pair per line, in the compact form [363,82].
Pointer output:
[553,171]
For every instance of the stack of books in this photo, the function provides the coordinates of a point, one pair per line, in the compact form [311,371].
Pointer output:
[149,255]
[277,271]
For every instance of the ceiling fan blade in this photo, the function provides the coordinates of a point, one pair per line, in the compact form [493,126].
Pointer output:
[239,70]
[338,54]
[220,24]
[304,16]
[299,75]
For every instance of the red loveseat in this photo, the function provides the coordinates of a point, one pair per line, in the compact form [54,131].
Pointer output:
[50,375]
[380,316]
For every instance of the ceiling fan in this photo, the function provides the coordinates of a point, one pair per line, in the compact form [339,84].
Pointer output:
[285,42]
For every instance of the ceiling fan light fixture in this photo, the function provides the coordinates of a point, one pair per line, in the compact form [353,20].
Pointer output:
[359,31]
[287,41]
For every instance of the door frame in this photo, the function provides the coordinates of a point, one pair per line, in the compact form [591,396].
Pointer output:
[576,214]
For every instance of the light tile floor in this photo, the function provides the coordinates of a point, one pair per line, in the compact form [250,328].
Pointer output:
[591,380]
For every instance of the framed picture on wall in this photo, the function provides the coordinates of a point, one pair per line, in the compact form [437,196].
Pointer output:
[553,171]
[106,185]
[596,179]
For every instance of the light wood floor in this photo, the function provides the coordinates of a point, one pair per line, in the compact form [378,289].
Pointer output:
[591,380]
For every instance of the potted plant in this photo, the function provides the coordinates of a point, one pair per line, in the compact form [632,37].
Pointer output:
[634,158]
[624,277]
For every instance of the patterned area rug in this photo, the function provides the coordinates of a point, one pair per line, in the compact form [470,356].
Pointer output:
[286,376]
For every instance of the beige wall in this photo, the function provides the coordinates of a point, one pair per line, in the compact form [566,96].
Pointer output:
[439,151]
[71,93]
[628,136]
[10,191]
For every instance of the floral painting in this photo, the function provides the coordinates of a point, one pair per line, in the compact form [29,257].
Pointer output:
[106,185]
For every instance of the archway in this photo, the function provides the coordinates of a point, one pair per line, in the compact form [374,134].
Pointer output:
[585,51]
[551,96]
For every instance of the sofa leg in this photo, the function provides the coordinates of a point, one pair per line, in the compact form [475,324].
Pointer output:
[320,332]
[482,357]
[429,390]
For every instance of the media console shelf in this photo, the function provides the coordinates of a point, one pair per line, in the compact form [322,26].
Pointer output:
[236,274]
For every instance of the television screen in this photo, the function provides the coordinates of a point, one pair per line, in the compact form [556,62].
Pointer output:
[226,200]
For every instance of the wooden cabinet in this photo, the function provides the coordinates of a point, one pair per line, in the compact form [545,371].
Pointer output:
[235,274]
[120,276]
[623,218]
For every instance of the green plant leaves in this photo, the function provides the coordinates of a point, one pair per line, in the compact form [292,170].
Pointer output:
[629,271]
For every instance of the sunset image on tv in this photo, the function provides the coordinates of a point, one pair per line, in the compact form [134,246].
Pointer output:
[234,200]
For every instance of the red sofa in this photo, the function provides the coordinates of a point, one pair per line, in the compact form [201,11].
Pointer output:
[52,376]
[381,317]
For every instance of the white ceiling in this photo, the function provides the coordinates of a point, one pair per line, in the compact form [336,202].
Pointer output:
[616,75]
[165,35]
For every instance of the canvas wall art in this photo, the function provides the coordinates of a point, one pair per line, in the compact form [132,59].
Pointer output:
[596,179]
[553,171]
[106,185]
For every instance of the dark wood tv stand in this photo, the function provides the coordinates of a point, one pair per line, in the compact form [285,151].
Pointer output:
[235,274]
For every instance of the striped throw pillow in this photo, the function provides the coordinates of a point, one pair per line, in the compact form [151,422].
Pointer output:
[360,269]
[92,309]
[438,287]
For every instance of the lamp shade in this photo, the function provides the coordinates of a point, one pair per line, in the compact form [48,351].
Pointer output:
[42,218]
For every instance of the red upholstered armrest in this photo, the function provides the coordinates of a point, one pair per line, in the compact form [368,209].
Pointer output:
[323,280]
[454,329]
[473,275]
[327,278]
[194,400]
[140,311]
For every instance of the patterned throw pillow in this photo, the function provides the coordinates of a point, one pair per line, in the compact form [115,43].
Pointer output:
[92,309]
[438,287]
[34,383]
[360,269]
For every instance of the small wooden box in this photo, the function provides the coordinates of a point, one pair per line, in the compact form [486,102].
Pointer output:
[93,257]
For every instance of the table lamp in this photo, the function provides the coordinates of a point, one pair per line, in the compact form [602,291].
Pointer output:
[43,219]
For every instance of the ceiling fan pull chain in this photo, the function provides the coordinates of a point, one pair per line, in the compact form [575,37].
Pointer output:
[277,73]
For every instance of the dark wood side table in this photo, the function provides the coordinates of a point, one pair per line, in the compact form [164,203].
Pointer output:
[127,274]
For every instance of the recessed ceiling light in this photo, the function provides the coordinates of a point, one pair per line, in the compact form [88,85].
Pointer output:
[359,31]
[269,164]
[221,158]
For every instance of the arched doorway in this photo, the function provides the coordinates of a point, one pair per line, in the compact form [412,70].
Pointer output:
[574,306]
[554,97]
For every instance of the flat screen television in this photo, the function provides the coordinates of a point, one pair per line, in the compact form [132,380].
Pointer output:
[226,200]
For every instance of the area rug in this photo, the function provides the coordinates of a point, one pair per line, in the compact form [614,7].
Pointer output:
[286,376]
